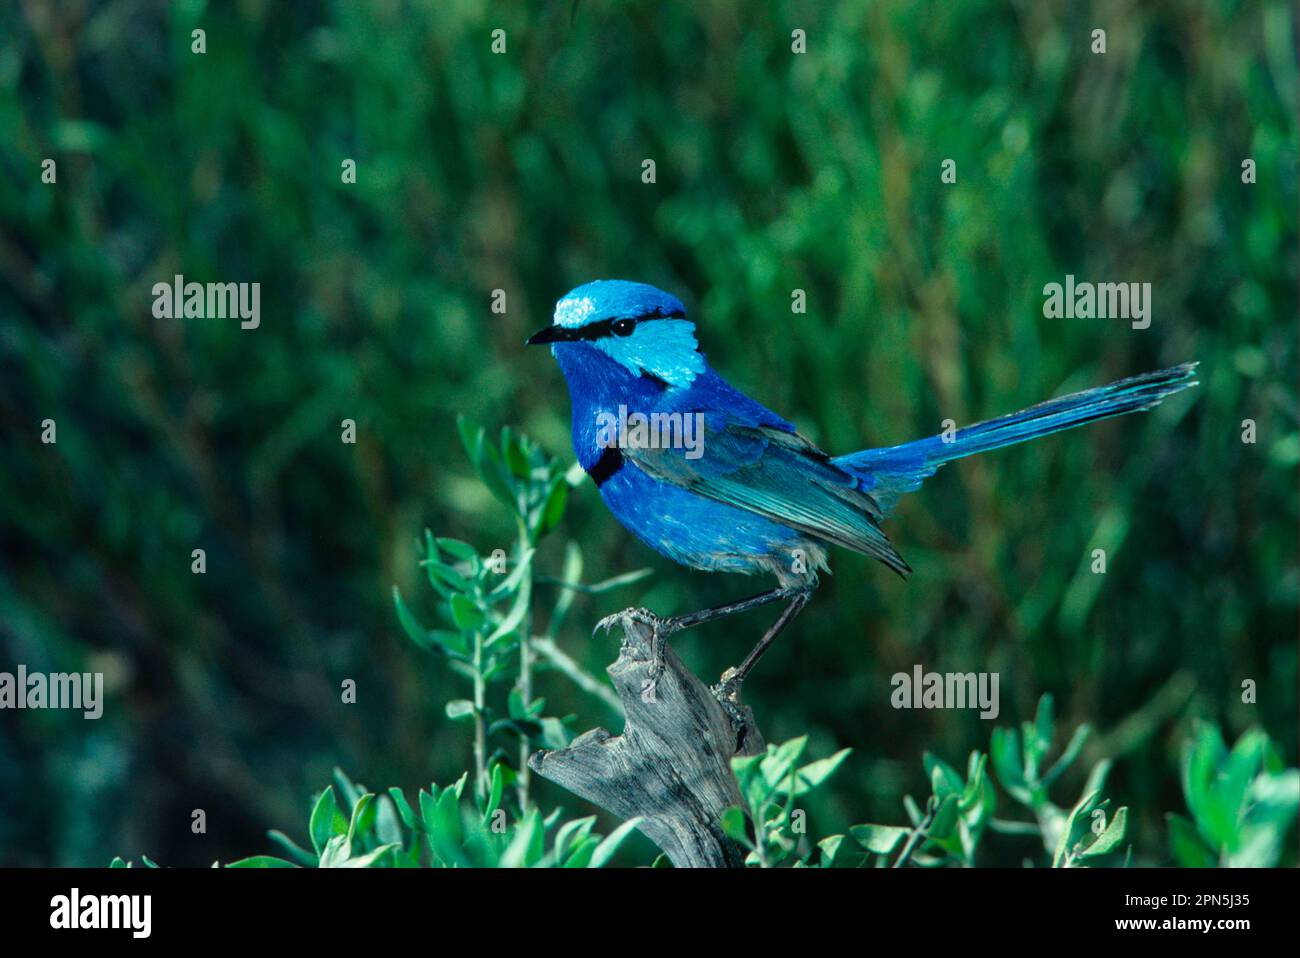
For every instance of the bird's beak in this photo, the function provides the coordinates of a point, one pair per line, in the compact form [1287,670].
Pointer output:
[550,334]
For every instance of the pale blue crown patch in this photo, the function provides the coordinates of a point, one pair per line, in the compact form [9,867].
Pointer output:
[573,311]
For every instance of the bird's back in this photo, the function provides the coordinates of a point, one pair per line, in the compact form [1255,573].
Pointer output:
[758,497]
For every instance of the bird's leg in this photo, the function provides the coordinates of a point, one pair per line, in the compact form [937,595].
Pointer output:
[661,628]
[679,622]
[727,691]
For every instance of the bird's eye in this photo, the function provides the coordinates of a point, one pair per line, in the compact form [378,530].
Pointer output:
[623,327]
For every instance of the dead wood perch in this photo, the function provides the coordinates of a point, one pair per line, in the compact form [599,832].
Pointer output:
[671,765]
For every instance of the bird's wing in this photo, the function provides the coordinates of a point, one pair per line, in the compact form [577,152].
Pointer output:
[777,474]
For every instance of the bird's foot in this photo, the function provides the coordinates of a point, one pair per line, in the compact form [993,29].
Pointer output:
[659,629]
[644,616]
[727,692]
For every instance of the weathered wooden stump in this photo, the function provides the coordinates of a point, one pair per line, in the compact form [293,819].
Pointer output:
[671,765]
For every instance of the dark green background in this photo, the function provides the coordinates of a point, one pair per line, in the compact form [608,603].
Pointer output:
[522,172]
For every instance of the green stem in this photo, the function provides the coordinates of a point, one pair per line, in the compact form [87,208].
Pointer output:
[525,667]
[480,726]
[914,839]
[760,838]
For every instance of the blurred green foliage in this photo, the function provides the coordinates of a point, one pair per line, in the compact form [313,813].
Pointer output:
[775,171]
[443,830]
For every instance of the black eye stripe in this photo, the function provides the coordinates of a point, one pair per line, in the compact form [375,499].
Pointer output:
[606,326]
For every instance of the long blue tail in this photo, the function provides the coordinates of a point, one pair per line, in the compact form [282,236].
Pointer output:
[890,472]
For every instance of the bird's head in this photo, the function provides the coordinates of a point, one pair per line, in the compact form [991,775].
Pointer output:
[641,328]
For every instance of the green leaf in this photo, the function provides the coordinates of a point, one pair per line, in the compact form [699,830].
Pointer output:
[1201,757]
[618,581]
[554,735]
[1005,751]
[1067,758]
[1097,777]
[1227,794]
[815,773]
[496,789]
[374,858]
[496,477]
[453,643]
[458,549]
[1110,838]
[583,849]
[1044,724]
[428,807]
[349,793]
[447,817]
[972,791]
[879,839]
[513,451]
[508,585]
[444,578]
[734,826]
[1078,815]
[471,437]
[404,809]
[1189,849]
[321,824]
[607,848]
[465,613]
[387,825]
[262,861]
[1272,803]
[553,511]
[363,817]
[337,851]
[526,846]
[458,709]
[515,706]
[300,855]
[839,851]
[943,777]
[571,834]
[569,577]
[442,825]
[512,619]
[913,810]
[776,767]
[945,819]
[417,633]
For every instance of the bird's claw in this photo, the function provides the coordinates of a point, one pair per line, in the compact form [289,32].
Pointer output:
[651,686]
[727,694]
[622,618]
[727,691]
[659,629]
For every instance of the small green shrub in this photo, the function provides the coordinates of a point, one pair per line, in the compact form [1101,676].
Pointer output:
[1242,802]
[769,784]
[443,829]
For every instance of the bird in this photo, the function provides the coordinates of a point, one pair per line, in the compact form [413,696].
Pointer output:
[735,487]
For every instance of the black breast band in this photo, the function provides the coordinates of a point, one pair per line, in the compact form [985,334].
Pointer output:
[610,462]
